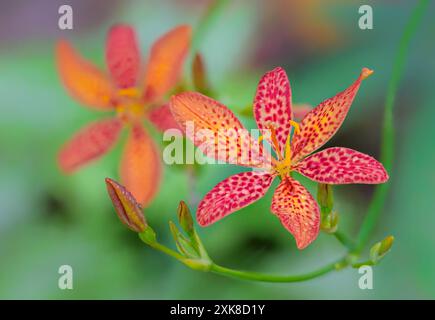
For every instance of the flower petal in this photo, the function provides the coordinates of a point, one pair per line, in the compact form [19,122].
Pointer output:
[141,166]
[218,132]
[297,210]
[232,194]
[166,61]
[89,143]
[301,110]
[342,166]
[122,55]
[272,105]
[320,124]
[83,80]
[162,118]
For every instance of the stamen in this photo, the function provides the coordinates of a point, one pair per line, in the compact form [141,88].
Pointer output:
[295,125]
[129,92]
[288,151]
[275,140]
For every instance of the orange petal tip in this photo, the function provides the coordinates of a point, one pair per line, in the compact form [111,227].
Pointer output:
[365,73]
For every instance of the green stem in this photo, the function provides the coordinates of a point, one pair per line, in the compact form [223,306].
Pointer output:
[248,275]
[262,277]
[365,263]
[387,146]
[168,251]
[344,239]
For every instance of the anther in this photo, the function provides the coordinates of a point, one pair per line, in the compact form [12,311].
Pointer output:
[295,125]
[129,92]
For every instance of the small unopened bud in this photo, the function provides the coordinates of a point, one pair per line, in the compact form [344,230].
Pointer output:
[184,245]
[380,249]
[330,222]
[199,74]
[185,217]
[126,206]
[325,197]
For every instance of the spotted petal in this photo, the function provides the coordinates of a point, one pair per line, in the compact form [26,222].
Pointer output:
[141,166]
[166,61]
[232,194]
[216,130]
[83,80]
[297,211]
[342,166]
[122,55]
[162,118]
[320,124]
[89,143]
[272,106]
[301,110]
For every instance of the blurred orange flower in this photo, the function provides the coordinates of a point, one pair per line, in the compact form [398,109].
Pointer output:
[133,94]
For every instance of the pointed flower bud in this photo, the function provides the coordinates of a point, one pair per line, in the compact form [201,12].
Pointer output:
[330,222]
[184,245]
[126,206]
[380,249]
[185,217]
[329,218]
[199,74]
[325,197]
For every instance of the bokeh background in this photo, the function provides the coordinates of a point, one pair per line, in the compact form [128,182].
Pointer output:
[48,219]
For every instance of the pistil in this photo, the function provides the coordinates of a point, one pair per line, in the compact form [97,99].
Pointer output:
[283,167]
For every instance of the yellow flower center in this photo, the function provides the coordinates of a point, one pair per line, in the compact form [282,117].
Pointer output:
[283,166]
[130,105]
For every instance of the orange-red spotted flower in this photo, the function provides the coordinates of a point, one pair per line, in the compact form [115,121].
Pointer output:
[133,94]
[292,203]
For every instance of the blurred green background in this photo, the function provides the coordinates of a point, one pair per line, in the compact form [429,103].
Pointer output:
[48,219]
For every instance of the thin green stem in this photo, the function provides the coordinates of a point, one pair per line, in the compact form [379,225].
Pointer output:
[205,265]
[168,251]
[344,240]
[365,263]
[387,146]
[262,277]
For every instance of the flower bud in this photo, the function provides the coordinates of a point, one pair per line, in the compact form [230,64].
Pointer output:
[185,217]
[329,222]
[184,245]
[199,74]
[126,206]
[325,197]
[380,249]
